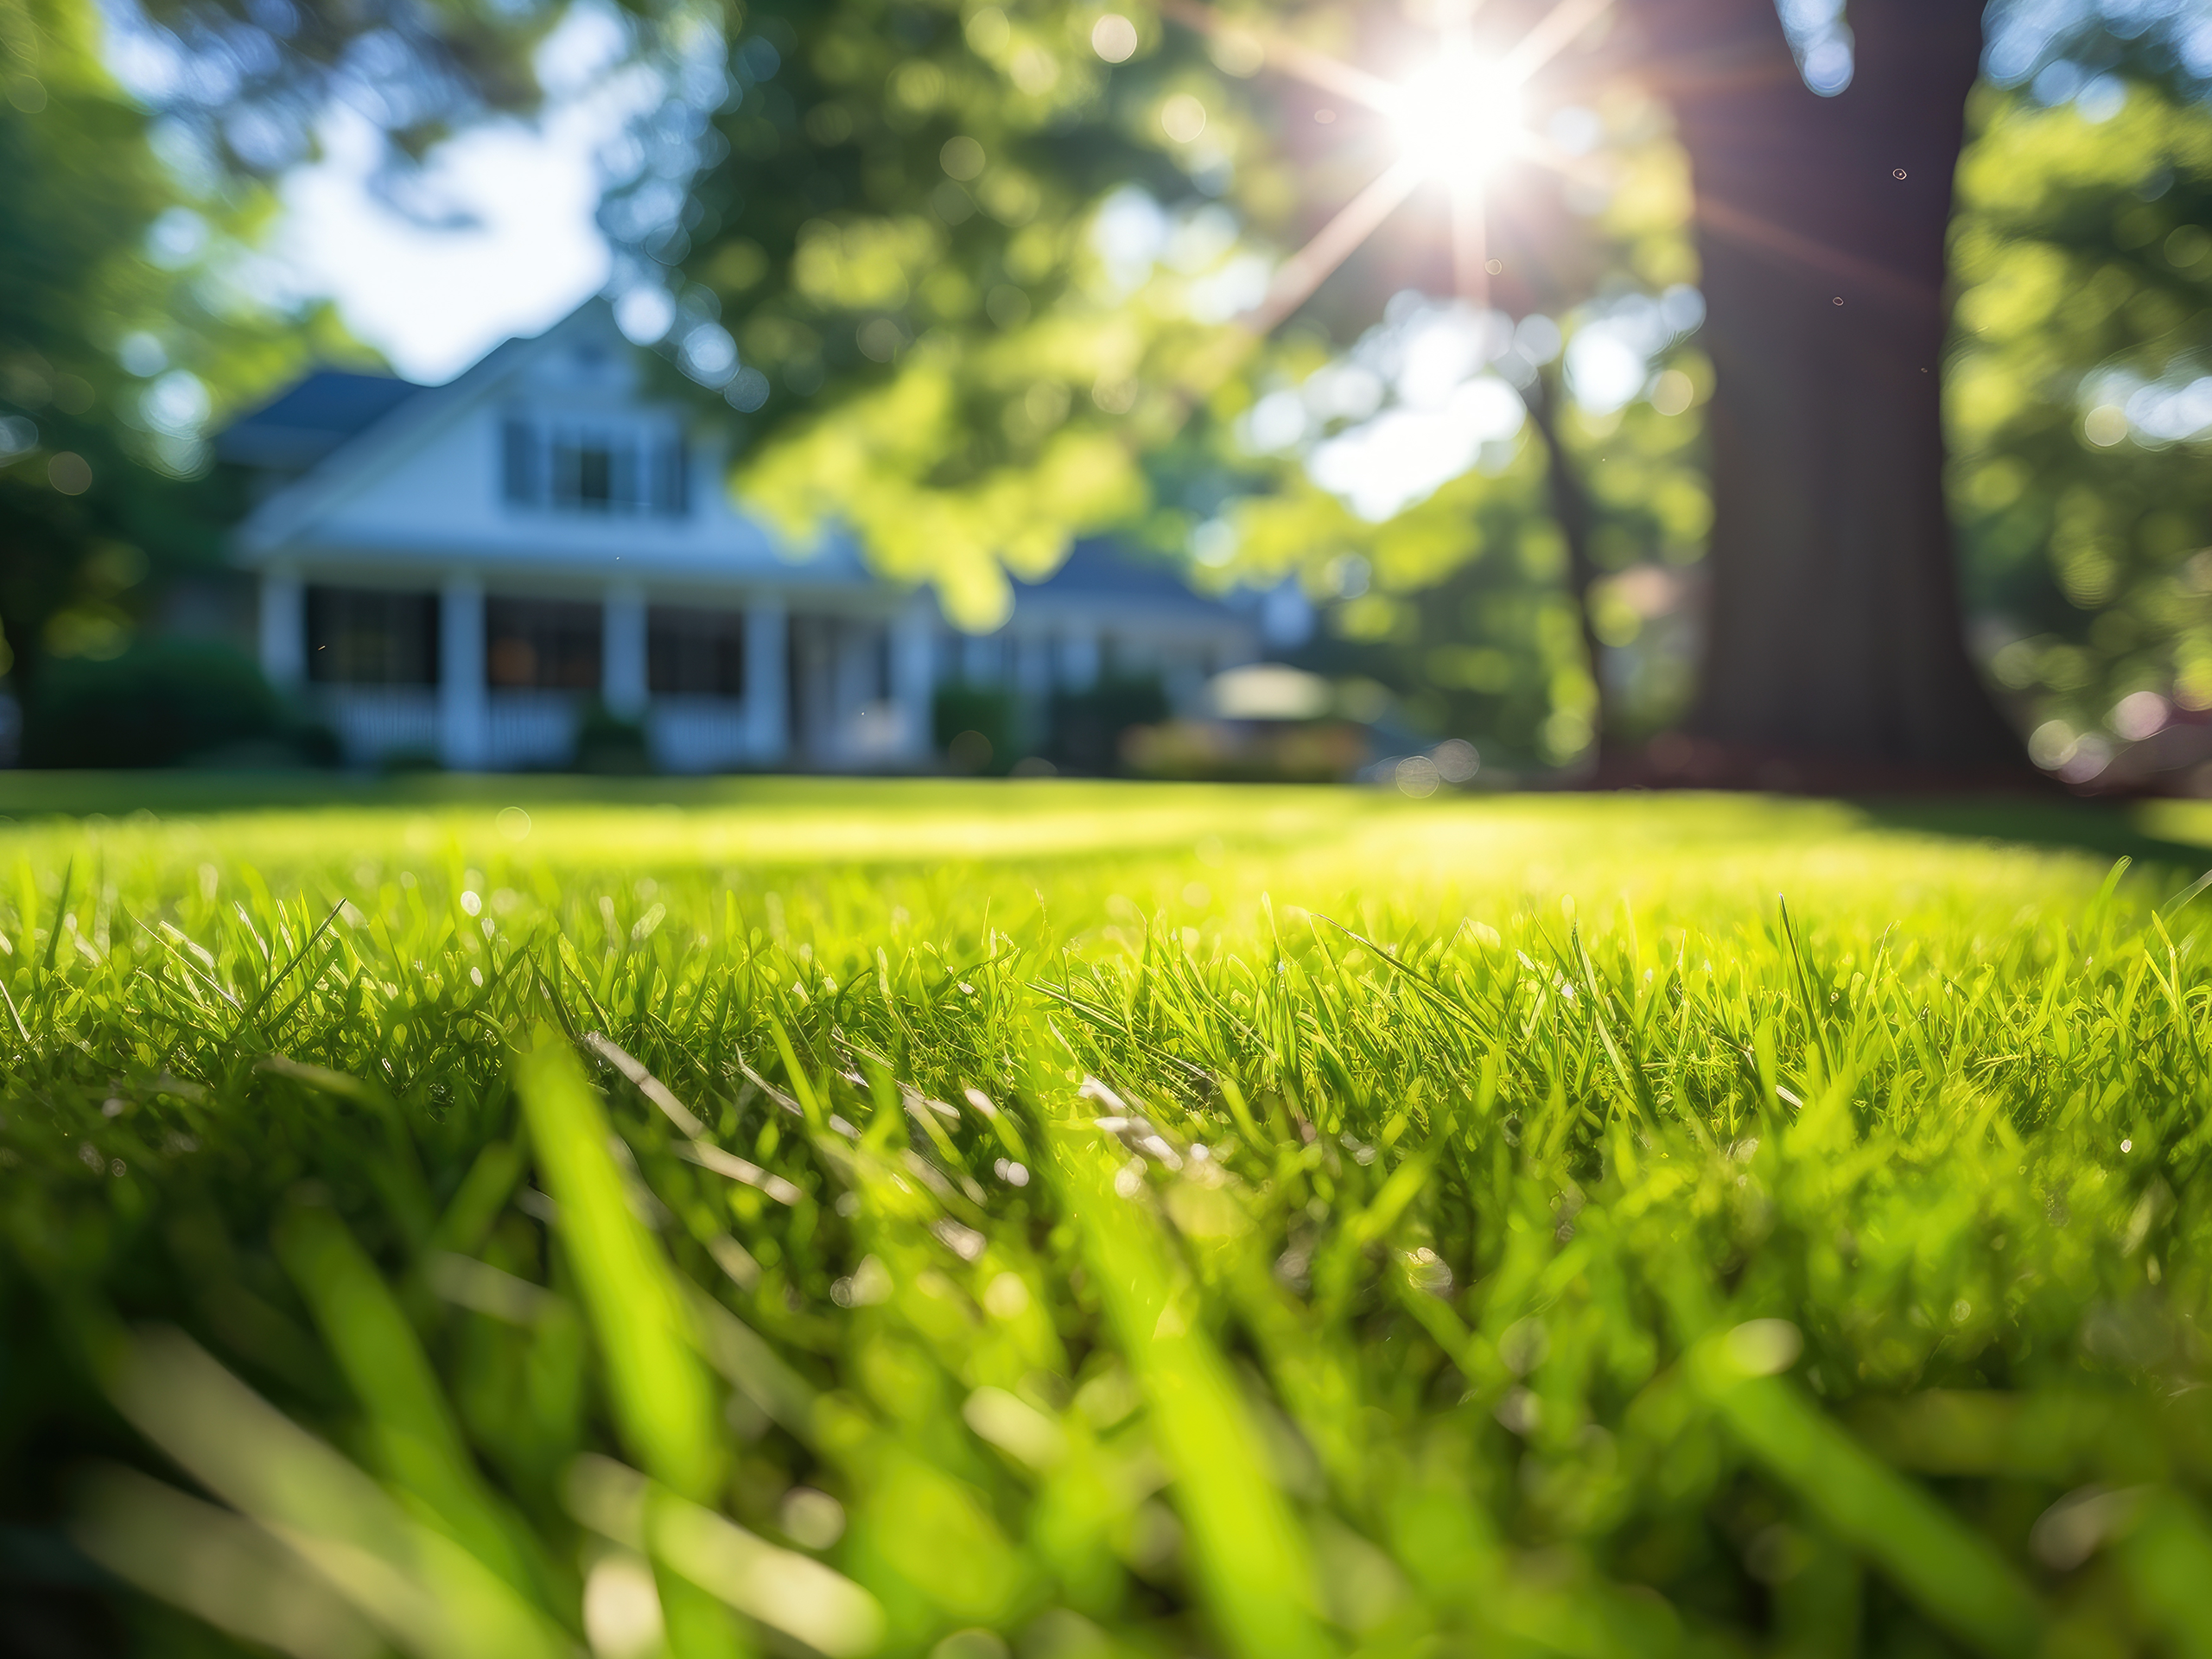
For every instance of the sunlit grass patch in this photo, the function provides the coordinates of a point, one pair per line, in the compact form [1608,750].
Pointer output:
[492,1218]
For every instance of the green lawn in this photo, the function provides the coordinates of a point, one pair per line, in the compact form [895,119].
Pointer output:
[460,1218]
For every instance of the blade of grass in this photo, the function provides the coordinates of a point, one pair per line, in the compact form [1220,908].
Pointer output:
[662,1402]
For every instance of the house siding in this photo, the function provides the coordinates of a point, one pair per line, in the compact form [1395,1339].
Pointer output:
[450,494]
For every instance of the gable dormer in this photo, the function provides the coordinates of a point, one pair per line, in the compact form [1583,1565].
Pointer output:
[618,461]
[577,441]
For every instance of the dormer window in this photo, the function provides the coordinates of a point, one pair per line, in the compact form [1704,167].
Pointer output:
[595,466]
[583,475]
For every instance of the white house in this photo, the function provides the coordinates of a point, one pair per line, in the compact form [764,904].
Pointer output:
[459,570]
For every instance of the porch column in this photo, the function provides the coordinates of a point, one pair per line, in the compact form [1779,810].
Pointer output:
[464,734]
[767,678]
[624,686]
[1079,658]
[914,677]
[283,627]
[1033,666]
[1032,690]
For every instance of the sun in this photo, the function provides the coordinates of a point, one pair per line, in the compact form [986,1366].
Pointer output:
[1459,117]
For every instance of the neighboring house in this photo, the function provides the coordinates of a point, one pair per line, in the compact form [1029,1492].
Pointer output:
[459,571]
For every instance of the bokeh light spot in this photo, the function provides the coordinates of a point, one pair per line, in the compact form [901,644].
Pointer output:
[69,472]
[962,158]
[1114,38]
[1182,117]
[2105,425]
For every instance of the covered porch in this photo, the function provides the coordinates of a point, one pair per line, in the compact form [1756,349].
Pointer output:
[499,674]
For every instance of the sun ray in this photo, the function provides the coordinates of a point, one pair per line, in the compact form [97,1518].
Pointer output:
[1553,32]
[1307,270]
[1460,113]
[1840,265]
[1471,242]
[1292,57]
[1455,23]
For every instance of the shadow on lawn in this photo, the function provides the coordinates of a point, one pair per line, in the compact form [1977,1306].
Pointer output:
[118,794]
[2110,830]
[27,796]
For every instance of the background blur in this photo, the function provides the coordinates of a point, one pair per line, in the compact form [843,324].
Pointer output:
[201,202]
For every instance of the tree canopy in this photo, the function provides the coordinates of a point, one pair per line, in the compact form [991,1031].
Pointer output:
[2081,402]
[977,274]
[984,278]
[136,303]
[968,280]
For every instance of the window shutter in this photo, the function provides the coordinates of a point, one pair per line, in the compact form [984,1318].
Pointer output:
[672,480]
[625,492]
[520,462]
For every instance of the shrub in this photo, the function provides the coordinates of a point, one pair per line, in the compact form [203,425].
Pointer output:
[160,703]
[607,743]
[963,713]
[1088,726]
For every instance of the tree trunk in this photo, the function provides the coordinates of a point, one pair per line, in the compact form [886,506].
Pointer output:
[1834,645]
[1572,512]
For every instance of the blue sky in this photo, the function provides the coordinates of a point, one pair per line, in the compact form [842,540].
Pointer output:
[434,300]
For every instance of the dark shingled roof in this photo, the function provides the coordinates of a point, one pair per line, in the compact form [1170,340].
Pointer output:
[301,426]
[1098,566]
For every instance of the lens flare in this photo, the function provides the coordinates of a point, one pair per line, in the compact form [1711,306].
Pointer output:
[1458,118]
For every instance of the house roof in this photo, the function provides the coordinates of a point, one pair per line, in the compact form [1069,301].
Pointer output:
[335,432]
[298,428]
[1097,569]
[410,416]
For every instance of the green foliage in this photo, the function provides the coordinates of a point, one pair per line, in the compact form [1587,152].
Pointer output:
[1211,1220]
[993,714]
[1456,604]
[134,311]
[923,277]
[1462,602]
[655,1381]
[2085,273]
[981,729]
[607,743]
[1087,726]
[160,702]
[929,242]
[127,318]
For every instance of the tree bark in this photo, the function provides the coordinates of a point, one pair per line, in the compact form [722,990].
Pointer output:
[1836,636]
